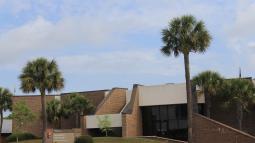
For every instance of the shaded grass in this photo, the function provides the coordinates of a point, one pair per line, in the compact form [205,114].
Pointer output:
[123,140]
[109,140]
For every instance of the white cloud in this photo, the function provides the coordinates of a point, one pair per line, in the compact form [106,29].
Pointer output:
[241,30]
[98,24]
[251,44]
[42,34]
[85,23]
[240,34]
[127,62]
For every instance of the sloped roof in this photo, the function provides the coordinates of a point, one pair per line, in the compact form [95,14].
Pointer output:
[7,126]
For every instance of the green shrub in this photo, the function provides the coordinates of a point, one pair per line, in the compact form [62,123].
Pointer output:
[84,139]
[21,137]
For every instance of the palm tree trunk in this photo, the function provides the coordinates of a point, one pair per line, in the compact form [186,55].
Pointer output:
[207,104]
[1,124]
[44,115]
[59,124]
[189,96]
[194,99]
[240,116]
[77,120]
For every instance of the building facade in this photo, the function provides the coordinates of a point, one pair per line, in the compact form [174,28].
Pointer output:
[159,110]
[145,110]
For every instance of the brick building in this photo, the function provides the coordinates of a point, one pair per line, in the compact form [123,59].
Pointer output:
[159,110]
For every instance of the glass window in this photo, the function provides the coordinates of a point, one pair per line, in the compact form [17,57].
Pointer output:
[165,121]
[155,113]
[183,124]
[171,112]
[163,113]
[172,124]
[158,126]
[164,126]
[181,112]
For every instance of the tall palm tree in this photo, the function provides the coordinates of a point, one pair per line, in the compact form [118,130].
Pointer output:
[54,111]
[210,82]
[44,76]
[239,92]
[5,104]
[182,36]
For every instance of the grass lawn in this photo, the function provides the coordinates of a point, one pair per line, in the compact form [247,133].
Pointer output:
[30,141]
[109,140]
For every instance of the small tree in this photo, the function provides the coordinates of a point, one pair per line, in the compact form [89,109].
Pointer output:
[5,104]
[54,112]
[22,116]
[77,105]
[104,124]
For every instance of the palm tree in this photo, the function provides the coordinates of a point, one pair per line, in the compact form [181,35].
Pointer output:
[77,105]
[239,92]
[54,111]
[185,35]
[209,81]
[5,104]
[43,76]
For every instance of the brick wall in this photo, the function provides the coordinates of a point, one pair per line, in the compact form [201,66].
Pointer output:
[132,117]
[3,138]
[206,130]
[34,103]
[113,103]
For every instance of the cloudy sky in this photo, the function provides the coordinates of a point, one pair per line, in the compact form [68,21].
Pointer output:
[101,44]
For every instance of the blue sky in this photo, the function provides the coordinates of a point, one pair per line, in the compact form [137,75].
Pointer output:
[101,44]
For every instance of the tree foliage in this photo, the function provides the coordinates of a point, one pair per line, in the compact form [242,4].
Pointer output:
[104,124]
[42,75]
[240,93]
[185,34]
[54,111]
[76,104]
[22,115]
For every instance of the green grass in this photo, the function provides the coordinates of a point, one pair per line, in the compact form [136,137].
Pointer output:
[109,140]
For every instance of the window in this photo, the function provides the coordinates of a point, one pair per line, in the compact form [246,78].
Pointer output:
[171,112]
[172,124]
[163,113]
[166,121]
[155,113]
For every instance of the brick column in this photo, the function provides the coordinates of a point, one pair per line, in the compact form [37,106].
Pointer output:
[132,117]
[84,130]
